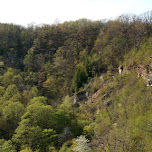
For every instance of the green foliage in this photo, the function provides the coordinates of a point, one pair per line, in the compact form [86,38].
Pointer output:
[40,99]
[5,129]
[10,92]
[32,78]
[26,150]
[67,146]
[77,129]
[79,79]
[12,112]
[8,77]
[140,56]
[88,130]
[48,139]
[62,119]
[41,67]
[6,146]
[67,102]
[39,115]
[29,60]
[52,91]
[96,84]
[52,149]
[2,90]
[30,94]
[34,92]
[27,135]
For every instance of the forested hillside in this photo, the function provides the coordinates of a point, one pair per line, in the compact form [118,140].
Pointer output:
[77,86]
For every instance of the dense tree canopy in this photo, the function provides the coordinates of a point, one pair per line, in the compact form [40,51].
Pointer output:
[45,69]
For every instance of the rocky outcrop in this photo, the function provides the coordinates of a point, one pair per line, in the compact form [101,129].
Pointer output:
[120,69]
[149,82]
[79,97]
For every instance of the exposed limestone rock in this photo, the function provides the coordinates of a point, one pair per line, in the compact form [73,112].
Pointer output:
[120,69]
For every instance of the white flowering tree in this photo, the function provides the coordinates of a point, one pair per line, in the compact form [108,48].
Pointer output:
[82,144]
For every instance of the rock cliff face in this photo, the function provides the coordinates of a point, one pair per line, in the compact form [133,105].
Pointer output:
[120,69]
[149,82]
[143,70]
[79,97]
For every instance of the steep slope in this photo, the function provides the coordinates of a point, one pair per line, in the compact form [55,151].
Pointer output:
[60,89]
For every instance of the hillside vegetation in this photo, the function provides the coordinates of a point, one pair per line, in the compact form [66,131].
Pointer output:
[60,89]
